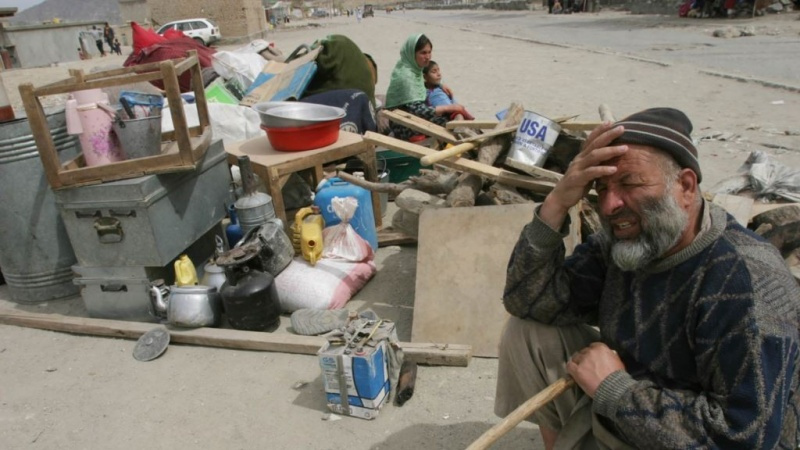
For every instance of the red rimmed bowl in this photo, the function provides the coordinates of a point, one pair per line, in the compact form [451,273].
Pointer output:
[307,137]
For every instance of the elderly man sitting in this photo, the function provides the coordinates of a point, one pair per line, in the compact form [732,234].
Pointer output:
[698,317]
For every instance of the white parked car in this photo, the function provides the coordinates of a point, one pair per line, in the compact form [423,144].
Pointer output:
[204,31]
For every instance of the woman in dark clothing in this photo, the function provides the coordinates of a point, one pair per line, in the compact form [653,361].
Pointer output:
[407,87]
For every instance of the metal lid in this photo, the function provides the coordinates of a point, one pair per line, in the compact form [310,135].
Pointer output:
[239,255]
[152,344]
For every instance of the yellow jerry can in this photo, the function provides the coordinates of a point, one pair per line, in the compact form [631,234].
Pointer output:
[307,234]
[185,273]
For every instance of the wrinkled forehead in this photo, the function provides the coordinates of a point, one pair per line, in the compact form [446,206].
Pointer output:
[639,162]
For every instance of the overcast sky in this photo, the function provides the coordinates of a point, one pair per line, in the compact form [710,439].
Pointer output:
[21,4]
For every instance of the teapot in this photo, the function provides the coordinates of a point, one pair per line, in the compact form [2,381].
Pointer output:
[187,306]
[214,275]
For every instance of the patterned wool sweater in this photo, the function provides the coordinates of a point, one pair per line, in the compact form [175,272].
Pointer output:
[708,336]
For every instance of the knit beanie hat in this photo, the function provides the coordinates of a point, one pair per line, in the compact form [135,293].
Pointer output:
[666,129]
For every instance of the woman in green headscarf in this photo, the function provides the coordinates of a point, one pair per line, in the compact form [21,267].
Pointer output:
[407,87]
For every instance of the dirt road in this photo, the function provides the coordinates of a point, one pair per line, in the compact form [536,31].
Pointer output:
[63,391]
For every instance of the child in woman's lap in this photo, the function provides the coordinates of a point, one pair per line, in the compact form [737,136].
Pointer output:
[437,96]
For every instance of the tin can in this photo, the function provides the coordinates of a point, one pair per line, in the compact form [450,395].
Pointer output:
[535,137]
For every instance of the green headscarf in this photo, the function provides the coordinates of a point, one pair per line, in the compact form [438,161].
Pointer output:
[341,65]
[407,84]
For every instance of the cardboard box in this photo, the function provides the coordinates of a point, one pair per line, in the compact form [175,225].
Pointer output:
[280,81]
[363,375]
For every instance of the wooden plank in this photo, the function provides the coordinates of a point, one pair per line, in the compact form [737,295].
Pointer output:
[41,134]
[199,93]
[421,353]
[137,69]
[563,119]
[97,84]
[580,126]
[464,165]
[489,124]
[480,124]
[450,152]
[389,236]
[185,64]
[739,207]
[455,355]
[370,163]
[167,162]
[461,273]
[490,134]
[77,75]
[173,89]
[63,82]
[420,125]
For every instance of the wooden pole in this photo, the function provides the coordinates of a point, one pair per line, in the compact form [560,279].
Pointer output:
[433,354]
[605,113]
[521,413]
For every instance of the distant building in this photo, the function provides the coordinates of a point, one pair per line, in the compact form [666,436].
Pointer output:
[134,11]
[23,46]
[241,20]
[5,56]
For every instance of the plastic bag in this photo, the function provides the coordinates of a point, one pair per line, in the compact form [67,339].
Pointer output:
[341,240]
[255,46]
[764,177]
[241,66]
[231,123]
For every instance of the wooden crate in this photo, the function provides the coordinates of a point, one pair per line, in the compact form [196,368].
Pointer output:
[180,149]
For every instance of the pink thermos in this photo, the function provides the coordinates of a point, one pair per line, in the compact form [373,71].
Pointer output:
[90,116]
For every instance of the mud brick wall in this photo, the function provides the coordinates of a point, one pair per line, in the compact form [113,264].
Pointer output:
[236,18]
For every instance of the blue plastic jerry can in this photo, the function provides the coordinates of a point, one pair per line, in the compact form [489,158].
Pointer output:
[363,221]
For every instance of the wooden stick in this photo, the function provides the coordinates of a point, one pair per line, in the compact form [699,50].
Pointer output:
[465,146]
[580,126]
[455,150]
[420,125]
[493,133]
[485,124]
[421,353]
[563,119]
[521,413]
[479,124]
[469,166]
[605,113]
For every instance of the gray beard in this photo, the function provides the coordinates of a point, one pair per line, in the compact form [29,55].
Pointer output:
[662,223]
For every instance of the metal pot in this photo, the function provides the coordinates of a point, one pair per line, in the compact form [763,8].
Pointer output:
[188,306]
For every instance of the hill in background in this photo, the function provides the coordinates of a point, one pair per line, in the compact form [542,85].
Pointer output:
[70,11]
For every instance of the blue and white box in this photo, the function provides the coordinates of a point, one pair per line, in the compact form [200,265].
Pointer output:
[356,380]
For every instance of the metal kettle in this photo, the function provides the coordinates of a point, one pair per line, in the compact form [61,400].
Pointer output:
[187,306]
[250,296]
[214,275]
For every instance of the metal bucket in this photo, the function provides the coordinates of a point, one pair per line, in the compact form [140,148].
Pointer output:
[35,252]
[534,139]
[139,137]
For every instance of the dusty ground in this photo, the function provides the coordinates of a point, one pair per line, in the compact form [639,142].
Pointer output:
[64,391]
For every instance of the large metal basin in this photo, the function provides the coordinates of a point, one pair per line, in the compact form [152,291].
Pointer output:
[296,114]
